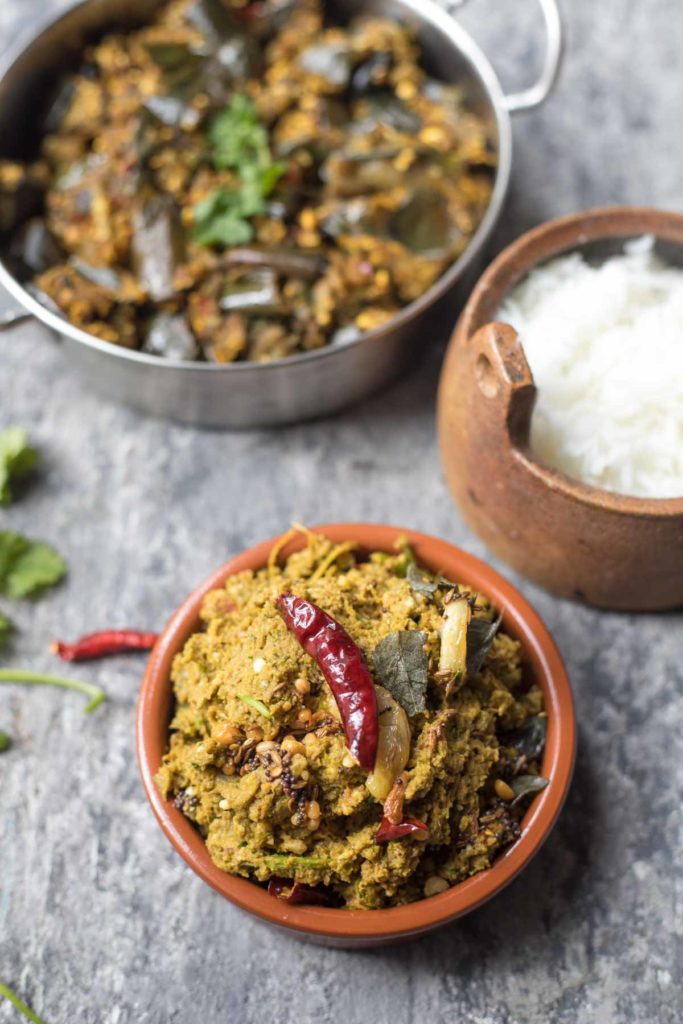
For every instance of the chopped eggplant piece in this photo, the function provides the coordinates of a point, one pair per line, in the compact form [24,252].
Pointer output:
[356,174]
[171,338]
[424,224]
[59,104]
[20,198]
[372,73]
[347,219]
[173,111]
[104,277]
[240,56]
[329,61]
[179,61]
[157,245]
[75,174]
[253,292]
[213,19]
[34,248]
[289,262]
[384,108]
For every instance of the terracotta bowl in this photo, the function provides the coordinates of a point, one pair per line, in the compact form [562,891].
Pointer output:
[582,542]
[340,927]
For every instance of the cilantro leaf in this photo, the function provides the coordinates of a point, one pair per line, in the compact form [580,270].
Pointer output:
[6,629]
[237,136]
[27,566]
[219,220]
[240,144]
[17,458]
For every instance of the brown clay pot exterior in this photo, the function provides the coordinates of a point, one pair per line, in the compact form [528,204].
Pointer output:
[606,549]
[351,928]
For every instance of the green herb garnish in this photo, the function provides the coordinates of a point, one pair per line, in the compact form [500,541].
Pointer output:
[256,704]
[238,137]
[17,458]
[240,144]
[20,1005]
[96,695]
[5,741]
[221,219]
[27,566]
[401,666]
[6,629]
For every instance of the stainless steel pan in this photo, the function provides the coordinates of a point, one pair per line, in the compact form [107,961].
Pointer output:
[303,386]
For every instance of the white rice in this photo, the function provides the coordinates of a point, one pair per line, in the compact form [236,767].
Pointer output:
[605,347]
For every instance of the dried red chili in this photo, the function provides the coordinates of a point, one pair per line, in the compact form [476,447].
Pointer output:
[103,644]
[342,664]
[386,831]
[297,892]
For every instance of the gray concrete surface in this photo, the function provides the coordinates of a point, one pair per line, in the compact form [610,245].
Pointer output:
[100,922]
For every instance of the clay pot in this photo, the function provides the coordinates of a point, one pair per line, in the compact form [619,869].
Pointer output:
[339,927]
[582,542]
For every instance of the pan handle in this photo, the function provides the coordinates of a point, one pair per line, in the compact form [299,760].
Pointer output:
[537,93]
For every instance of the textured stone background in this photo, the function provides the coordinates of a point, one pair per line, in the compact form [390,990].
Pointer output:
[100,921]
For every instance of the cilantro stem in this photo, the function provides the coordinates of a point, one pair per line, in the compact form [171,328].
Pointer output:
[20,1005]
[256,704]
[14,675]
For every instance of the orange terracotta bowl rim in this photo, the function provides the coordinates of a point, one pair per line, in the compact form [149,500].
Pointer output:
[370,927]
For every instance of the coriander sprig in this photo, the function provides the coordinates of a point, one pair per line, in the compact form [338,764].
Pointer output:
[20,1005]
[27,566]
[17,458]
[239,143]
[15,675]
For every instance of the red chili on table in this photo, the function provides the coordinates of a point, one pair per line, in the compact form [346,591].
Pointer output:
[342,664]
[103,644]
[408,826]
[297,892]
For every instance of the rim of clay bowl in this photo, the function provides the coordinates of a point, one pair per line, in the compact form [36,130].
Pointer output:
[368,927]
[555,238]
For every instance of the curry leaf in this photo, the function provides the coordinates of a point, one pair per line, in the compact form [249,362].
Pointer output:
[5,741]
[17,458]
[524,785]
[420,582]
[529,739]
[480,634]
[27,566]
[401,666]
